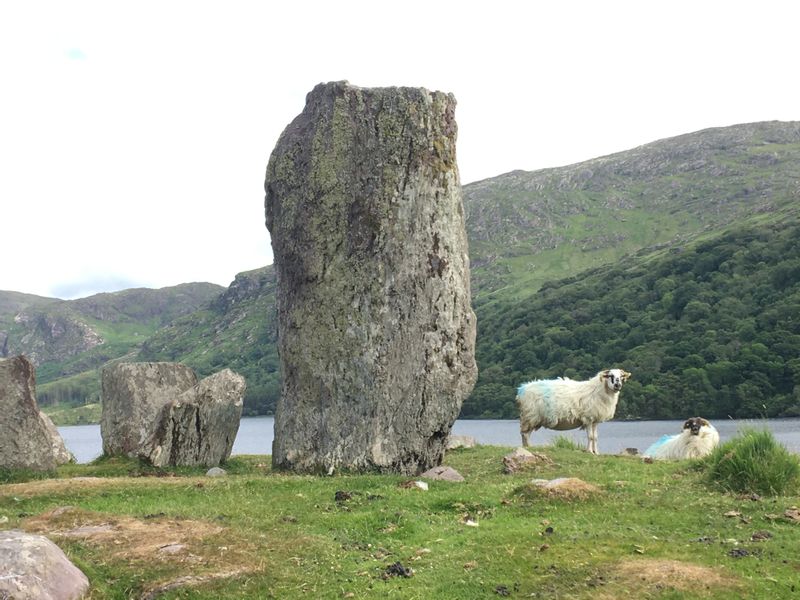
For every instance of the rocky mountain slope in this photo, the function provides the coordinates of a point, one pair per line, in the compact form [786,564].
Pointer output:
[64,338]
[526,228]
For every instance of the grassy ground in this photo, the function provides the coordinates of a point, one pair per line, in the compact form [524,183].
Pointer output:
[651,531]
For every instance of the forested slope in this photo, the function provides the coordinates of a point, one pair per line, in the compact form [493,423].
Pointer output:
[710,329]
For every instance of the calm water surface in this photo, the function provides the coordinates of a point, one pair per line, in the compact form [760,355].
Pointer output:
[255,434]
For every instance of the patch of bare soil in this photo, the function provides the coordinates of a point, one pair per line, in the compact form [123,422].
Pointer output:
[199,550]
[565,488]
[644,578]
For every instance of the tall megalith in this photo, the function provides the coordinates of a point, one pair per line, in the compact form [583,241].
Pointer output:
[376,330]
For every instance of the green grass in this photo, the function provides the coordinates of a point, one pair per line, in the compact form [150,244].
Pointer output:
[294,539]
[565,443]
[755,462]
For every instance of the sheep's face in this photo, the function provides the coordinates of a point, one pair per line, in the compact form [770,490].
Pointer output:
[695,425]
[614,378]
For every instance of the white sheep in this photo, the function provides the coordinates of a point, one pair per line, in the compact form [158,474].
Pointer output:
[566,404]
[697,439]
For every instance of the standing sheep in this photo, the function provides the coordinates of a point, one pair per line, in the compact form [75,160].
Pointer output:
[566,404]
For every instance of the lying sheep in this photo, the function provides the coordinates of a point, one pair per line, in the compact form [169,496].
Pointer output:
[697,439]
[566,404]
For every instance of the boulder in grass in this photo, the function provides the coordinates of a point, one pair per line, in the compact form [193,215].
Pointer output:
[522,459]
[198,428]
[34,568]
[134,395]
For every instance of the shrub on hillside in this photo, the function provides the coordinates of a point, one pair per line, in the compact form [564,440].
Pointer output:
[754,461]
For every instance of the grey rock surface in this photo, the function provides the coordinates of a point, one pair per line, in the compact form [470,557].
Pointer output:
[34,568]
[442,473]
[461,441]
[198,428]
[133,396]
[376,331]
[28,438]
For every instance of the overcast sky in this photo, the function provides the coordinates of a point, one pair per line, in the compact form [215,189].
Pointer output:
[134,136]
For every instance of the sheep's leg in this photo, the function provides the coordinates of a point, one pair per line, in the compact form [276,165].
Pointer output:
[525,433]
[591,433]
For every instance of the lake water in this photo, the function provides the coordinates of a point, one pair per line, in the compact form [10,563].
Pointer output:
[256,433]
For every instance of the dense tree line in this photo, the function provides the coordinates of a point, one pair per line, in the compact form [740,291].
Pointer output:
[711,329]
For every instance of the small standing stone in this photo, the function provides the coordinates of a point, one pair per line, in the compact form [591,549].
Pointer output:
[28,438]
[134,394]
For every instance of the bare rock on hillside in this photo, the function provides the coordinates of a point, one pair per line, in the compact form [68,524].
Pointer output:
[35,568]
[134,395]
[198,428]
[522,459]
[29,438]
[442,473]
[376,331]
[460,441]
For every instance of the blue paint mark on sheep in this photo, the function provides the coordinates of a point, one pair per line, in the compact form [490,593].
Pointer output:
[657,444]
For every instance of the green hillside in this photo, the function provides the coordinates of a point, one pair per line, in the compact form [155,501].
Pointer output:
[711,328]
[527,228]
[68,340]
[236,331]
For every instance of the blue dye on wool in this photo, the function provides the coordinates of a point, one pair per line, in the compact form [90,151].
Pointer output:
[658,443]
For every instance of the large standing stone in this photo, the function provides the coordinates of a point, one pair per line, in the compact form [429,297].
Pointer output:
[28,438]
[199,428]
[34,568]
[134,395]
[376,331]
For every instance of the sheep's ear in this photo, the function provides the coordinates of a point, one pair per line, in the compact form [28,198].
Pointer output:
[625,376]
[604,374]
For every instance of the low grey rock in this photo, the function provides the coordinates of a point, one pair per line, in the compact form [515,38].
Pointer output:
[29,438]
[460,441]
[199,428]
[522,459]
[159,412]
[34,568]
[443,474]
[134,394]
[216,472]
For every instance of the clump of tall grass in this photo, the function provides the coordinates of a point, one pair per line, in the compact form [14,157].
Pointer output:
[754,461]
[564,443]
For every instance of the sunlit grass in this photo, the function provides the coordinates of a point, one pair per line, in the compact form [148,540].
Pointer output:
[754,461]
[482,538]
